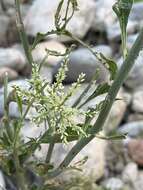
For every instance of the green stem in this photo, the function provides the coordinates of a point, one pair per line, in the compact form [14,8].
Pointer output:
[6,104]
[6,108]
[19,173]
[50,151]
[19,170]
[22,33]
[98,126]
[96,54]
[124,40]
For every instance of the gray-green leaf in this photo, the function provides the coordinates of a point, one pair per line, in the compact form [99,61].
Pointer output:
[122,9]
[110,65]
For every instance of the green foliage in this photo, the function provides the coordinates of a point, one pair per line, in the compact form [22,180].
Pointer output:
[51,104]
[136,1]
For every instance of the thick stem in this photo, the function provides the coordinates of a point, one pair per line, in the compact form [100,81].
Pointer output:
[98,126]
[6,105]
[19,174]
[50,151]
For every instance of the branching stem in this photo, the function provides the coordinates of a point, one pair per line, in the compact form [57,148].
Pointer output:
[98,126]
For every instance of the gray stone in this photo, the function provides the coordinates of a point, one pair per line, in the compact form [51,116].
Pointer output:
[116,114]
[139,182]
[133,129]
[21,83]
[117,111]
[135,117]
[130,40]
[135,77]
[12,75]
[42,12]
[114,31]
[104,16]
[12,58]
[2,181]
[13,108]
[137,13]
[39,52]
[46,73]
[130,173]
[83,61]
[114,184]
[116,157]
[9,3]
[137,101]
[4,22]
[5,182]
[30,130]
[94,167]
[12,32]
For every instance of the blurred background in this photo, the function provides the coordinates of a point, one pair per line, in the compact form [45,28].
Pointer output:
[115,165]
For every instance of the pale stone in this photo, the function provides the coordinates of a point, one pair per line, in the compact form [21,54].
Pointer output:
[4,22]
[130,173]
[10,72]
[104,15]
[39,53]
[12,58]
[137,102]
[83,61]
[116,114]
[41,17]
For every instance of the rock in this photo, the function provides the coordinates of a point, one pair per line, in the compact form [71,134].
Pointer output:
[4,22]
[130,40]
[9,3]
[21,83]
[2,181]
[116,157]
[135,117]
[139,182]
[83,61]
[46,73]
[136,13]
[12,75]
[42,12]
[13,108]
[12,58]
[116,114]
[103,9]
[12,32]
[117,111]
[39,52]
[130,173]
[114,31]
[135,150]
[133,129]
[30,130]
[135,77]
[137,102]
[113,184]
[132,176]
[94,167]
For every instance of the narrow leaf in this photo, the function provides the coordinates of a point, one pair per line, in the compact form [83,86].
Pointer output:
[113,137]
[122,9]
[110,65]
[100,90]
